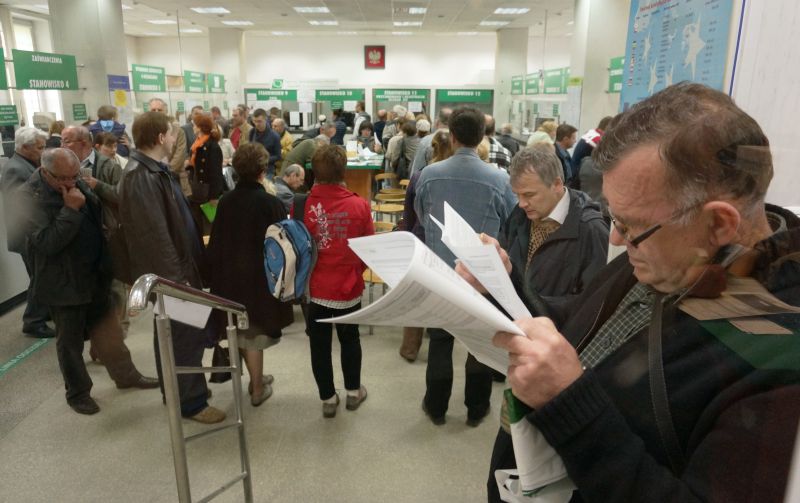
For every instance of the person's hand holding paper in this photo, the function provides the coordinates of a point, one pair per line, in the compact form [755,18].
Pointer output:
[462,270]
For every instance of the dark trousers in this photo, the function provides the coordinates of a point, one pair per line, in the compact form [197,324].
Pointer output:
[188,345]
[36,314]
[97,321]
[502,459]
[439,378]
[320,337]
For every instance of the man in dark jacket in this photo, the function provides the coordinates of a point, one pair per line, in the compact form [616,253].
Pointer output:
[565,140]
[72,275]
[263,134]
[29,145]
[162,239]
[341,127]
[640,400]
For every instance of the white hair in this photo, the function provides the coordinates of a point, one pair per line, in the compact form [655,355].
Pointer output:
[400,110]
[28,136]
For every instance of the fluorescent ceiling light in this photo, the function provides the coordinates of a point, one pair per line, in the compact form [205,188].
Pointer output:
[324,23]
[238,23]
[281,33]
[417,10]
[191,30]
[41,7]
[126,7]
[152,34]
[570,23]
[312,10]
[408,23]
[493,23]
[162,21]
[211,10]
[467,33]
[402,33]
[510,11]
[348,33]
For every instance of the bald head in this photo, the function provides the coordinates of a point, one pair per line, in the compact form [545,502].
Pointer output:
[78,139]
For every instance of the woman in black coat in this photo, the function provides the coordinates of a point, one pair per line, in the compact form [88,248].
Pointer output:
[236,264]
[205,169]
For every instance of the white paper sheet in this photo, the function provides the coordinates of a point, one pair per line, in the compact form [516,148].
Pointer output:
[186,312]
[415,106]
[305,107]
[349,105]
[294,119]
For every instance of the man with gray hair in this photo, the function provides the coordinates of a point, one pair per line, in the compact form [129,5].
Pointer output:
[29,144]
[72,276]
[302,153]
[392,128]
[505,138]
[641,396]
[424,150]
[288,183]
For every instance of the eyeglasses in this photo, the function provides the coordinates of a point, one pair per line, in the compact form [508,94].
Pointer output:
[635,241]
[63,179]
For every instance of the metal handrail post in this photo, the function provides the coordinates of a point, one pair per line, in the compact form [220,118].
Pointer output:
[170,379]
[236,377]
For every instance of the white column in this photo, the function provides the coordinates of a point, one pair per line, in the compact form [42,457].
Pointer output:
[93,32]
[226,56]
[511,58]
[599,34]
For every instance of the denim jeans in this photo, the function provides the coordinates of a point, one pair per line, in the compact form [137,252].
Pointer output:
[320,337]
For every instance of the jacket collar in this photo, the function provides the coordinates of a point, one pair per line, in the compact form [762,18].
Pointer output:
[570,229]
[148,162]
[331,190]
[779,255]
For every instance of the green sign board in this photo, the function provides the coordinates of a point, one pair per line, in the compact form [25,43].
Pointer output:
[79,112]
[43,70]
[3,78]
[532,83]
[401,94]
[615,70]
[146,106]
[215,83]
[555,109]
[555,81]
[206,105]
[8,115]
[270,94]
[181,106]
[277,83]
[149,79]
[194,82]
[517,84]
[464,96]
[340,95]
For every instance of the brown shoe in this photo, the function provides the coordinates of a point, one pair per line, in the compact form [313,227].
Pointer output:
[412,341]
[353,402]
[209,415]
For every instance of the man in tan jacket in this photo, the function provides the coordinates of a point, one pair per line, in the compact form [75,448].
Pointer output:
[177,158]
[240,128]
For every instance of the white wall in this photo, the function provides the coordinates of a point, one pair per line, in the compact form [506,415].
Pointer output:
[554,54]
[193,53]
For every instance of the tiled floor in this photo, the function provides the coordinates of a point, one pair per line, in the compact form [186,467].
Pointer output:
[385,451]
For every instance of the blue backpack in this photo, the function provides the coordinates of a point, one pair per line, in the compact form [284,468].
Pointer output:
[289,256]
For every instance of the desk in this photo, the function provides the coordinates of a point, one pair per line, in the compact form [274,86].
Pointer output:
[359,175]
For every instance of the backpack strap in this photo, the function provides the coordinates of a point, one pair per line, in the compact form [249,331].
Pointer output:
[658,390]
[299,207]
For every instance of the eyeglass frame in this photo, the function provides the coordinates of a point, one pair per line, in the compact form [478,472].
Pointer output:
[62,179]
[635,241]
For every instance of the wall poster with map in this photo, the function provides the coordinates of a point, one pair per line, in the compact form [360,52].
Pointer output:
[674,40]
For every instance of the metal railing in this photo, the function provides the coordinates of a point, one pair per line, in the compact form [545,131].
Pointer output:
[141,291]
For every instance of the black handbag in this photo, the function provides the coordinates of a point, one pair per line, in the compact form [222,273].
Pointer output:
[220,358]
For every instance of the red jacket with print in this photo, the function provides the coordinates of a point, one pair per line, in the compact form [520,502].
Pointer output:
[334,214]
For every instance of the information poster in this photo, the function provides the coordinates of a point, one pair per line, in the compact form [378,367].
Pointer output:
[517,82]
[616,67]
[555,81]
[672,41]
[79,112]
[8,115]
[43,70]
[215,83]
[532,83]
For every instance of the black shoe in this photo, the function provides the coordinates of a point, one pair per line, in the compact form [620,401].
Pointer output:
[474,420]
[85,405]
[140,382]
[40,332]
[437,420]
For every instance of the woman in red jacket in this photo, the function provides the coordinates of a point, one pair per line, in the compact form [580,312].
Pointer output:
[334,214]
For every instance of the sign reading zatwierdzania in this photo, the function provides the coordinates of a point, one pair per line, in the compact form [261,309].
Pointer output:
[149,78]
[43,70]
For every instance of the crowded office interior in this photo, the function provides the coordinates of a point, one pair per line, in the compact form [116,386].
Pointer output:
[557,241]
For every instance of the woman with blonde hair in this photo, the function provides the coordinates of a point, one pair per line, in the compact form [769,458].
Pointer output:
[546,133]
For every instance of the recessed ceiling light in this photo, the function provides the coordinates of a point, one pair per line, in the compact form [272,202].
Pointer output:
[568,35]
[402,33]
[211,10]
[493,23]
[324,23]
[162,21]
[41,7]
[126,7]
[417,10]
[312,10]
[152,34]
[510,11]
[467,33]
[347,33]
[191,30]
[281,33]
[408,23]
[238,23]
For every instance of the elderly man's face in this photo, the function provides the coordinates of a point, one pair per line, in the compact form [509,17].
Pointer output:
[236,118]
[70,139]
[536,199]
[637,198]
[33,151]
[278,126]
[64,173]
[158,106]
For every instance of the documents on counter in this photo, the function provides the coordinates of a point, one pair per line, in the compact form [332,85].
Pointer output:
[426,292]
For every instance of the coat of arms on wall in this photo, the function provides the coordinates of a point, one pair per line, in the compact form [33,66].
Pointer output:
[374,57]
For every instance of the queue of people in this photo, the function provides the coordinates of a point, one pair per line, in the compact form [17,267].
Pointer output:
[613,372]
